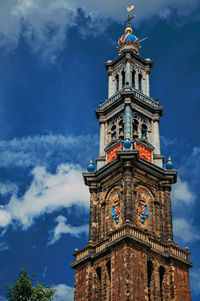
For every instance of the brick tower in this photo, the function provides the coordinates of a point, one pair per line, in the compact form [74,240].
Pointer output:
[131,255]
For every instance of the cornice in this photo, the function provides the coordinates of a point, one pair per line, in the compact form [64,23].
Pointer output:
[133,157]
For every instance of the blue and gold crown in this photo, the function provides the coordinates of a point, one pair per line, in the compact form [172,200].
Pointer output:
[128,40]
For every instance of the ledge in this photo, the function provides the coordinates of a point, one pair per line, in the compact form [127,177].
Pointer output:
[135,235]
[133,157]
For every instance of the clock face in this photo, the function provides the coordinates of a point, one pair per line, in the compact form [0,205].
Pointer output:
[144,152]
[111,154]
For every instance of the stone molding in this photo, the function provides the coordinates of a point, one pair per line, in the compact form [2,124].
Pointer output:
[134,234]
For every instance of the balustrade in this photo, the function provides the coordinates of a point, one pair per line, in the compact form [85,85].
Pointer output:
[140,235]
[138,94]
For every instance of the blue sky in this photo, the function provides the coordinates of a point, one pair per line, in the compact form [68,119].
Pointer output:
[52,77]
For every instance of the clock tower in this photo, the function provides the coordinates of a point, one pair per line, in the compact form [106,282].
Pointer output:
[131,254]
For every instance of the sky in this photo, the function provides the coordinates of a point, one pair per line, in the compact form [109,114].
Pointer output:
[52,78]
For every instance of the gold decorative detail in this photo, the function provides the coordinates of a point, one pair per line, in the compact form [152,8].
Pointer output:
[128,30]
[147,71]
[135,47]
[110,72]
[130,8]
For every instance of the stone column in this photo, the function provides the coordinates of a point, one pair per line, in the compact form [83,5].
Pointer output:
[168,218]
[156,276]
[171,282]
[136,79]
[88,282]
[143,85]
[147,92]
[120,81]
[128,192]
[93,215]
[128,120]
[128,79]
[156,135]
[102,138]
[110,84]
[128,273]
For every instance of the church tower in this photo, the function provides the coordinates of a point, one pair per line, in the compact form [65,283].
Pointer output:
[131,254]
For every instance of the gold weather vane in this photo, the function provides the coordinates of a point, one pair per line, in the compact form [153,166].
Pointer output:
[129,9]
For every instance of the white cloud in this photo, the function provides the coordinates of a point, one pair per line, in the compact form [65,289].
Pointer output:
[63,293]
[185,230]
[63,228]
[34,18]
[181,193]
[41,149]
[8,187]
[5,217]
[46,194]
[43,24]
[3,298]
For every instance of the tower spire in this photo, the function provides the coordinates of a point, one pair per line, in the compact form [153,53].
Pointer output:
[131,254]
[129,39]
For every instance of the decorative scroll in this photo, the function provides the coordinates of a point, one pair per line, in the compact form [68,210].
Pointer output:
[116,208]
[144,152]
[111,154]
[143,210]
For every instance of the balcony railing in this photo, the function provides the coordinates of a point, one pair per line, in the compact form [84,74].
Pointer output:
[164,248]
[138,95]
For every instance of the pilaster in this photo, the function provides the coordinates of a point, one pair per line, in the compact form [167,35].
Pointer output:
[111,88]
[93,215]
[156,135]
[102,138]
[128,119]
[168,218]
[147,82]
[128,193]
[128,79]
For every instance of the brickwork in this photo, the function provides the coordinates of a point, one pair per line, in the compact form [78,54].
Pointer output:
[129,185]
[131,272]
[181,283]
[80,287]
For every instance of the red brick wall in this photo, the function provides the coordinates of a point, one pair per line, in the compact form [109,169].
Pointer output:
[80,283]
[182,284]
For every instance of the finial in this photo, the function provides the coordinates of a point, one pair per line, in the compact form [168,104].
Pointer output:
[128,20]
[127,143]
[129,39]
[76,250]
[91,167]
[169,164]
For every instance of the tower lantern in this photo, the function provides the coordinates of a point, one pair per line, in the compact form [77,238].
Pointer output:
[131,254]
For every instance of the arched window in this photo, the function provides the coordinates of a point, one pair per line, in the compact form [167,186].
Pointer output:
[108,265]
[117,82]
[133,79]
[140,81]
[149,276]
[123,79]
[161,273]
[121,129]
[98,272]
[135,128]
[144,131]
[113,132]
